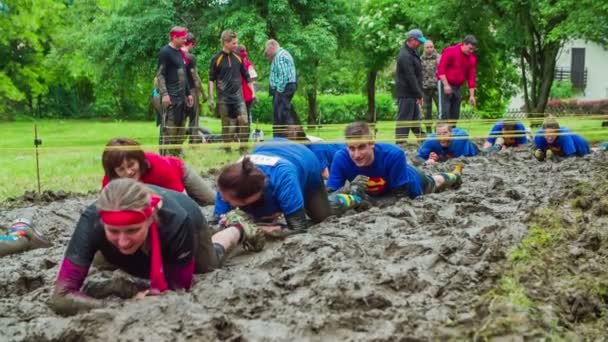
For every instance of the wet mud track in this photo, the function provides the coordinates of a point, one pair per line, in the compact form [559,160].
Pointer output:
[402,271]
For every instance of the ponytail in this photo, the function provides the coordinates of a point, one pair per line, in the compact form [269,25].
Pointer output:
[242,179]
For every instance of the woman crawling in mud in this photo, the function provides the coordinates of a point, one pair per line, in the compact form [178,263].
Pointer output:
[124,158]
[385,167]
[148,232]
[555,142]
[279,177]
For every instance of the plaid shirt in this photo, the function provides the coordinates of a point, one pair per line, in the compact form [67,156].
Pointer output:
[282,70]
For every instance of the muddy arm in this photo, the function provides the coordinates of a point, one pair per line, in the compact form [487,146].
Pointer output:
[297,221]
[67,298]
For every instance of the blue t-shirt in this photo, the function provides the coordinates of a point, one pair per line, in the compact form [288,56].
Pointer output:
[566,144]
[325,152]
[292,172]
[520,131]
[388,172]
[459,146]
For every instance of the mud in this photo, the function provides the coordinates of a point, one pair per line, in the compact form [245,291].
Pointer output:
[406,270]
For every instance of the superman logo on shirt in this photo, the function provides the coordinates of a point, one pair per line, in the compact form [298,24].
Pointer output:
[376,185]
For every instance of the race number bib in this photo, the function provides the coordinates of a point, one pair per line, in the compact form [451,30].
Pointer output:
[259,159]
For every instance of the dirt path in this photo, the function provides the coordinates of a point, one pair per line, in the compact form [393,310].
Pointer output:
[406,269]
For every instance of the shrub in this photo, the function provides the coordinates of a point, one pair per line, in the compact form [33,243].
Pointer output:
[561,90]
[577,107]
[331,108]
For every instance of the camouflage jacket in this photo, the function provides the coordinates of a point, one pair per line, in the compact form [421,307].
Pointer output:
[429,70]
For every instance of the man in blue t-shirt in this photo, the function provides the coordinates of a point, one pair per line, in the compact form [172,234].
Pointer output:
[383,167]
[555,142]
[445,144]
[505,134]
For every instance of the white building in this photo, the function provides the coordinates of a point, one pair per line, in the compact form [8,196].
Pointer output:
[585,64]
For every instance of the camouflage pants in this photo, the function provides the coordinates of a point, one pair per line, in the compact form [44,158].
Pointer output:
[235,122]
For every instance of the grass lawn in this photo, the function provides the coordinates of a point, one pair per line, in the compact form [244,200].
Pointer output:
[70,154]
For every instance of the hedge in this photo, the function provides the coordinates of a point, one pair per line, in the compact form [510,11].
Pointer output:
[577,107]
[331,108]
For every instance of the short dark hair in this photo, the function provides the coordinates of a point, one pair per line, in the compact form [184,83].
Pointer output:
[470,39]
[509,126]
[242,179]
[117,151]
[550,123]
[190,38]
[358,130]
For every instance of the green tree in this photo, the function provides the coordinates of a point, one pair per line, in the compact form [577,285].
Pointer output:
[537,29]
[27,37]
[380,32]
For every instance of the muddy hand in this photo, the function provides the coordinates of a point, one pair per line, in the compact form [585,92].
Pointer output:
[73,303]
[252,237]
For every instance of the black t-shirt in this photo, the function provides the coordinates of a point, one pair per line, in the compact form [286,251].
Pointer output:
[174,72]
[180,219]
[226,70]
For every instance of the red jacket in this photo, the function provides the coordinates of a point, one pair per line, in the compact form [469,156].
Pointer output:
[166,172]
[457,67]
[247,94]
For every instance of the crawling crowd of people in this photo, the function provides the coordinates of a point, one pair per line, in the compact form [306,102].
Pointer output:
[148,222]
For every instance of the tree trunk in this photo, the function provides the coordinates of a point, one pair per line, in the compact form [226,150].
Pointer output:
[311,98]
[371,95]
[547,71]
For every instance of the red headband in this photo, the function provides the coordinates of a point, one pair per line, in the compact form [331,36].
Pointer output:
[128,217]
[178,34]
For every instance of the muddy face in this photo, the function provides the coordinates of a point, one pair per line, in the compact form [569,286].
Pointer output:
[361,154]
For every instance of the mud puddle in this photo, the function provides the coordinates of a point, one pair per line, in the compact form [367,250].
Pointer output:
[403,271]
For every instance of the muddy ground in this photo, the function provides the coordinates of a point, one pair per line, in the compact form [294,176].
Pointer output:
[407,270]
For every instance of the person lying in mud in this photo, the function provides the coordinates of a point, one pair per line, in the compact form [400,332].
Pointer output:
[446,143]
[21,237]
[505,134]
[324,151]
[123,157]
[280,177]
[385,168]
[555,143]
[148,232]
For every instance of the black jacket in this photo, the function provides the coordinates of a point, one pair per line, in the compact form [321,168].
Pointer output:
[408,79]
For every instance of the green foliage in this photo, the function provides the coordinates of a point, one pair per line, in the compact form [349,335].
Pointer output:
[562,90]
[333,109]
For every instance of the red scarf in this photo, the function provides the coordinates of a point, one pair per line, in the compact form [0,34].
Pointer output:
[184,56]
[131,217]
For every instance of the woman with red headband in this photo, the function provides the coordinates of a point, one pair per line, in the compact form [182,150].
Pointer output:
[148,232]
[124,158]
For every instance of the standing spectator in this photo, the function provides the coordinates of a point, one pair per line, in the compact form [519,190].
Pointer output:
[283,85]
[226,69]
[408,83]
[247,93]
[430,60]
[195,83]
[457,65]
[172,82]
